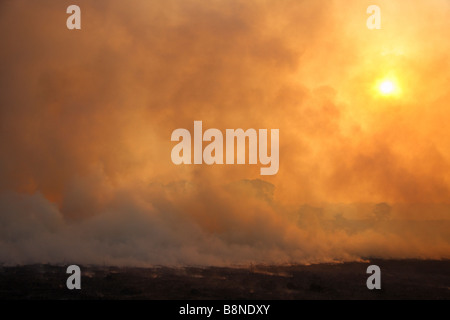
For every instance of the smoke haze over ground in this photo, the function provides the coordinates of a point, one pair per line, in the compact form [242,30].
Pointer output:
[86,118]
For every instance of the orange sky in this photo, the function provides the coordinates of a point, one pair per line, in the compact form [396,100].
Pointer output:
[86,118]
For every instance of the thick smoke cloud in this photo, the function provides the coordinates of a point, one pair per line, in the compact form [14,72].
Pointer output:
[86,118]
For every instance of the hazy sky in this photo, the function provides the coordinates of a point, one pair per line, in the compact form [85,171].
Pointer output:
[86,119]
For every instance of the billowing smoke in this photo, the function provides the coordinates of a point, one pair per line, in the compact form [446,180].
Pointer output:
[86,119]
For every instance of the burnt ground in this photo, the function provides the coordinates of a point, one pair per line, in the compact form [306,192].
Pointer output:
[406,279]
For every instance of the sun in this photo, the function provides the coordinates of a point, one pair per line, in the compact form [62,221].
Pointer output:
[387,87]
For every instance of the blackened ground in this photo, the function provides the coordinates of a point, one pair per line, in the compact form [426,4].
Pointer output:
[405,279]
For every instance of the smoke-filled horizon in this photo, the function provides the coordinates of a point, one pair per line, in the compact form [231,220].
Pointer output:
[86,118]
